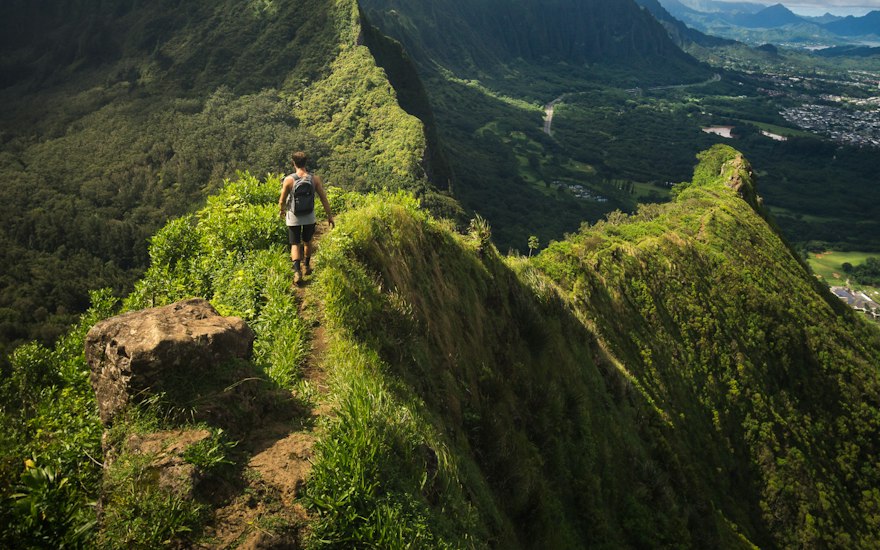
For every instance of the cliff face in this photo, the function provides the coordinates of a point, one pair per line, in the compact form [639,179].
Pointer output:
[480,35]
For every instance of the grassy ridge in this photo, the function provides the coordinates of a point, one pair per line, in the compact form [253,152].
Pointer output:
[753,361]
[474,408]
[685,363]
[670,378]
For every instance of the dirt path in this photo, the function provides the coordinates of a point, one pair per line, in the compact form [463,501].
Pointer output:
[260,510]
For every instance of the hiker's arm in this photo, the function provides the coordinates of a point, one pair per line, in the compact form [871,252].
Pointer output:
[285,190]
[319,187]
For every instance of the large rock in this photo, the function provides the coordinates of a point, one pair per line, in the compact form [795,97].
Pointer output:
[159,349]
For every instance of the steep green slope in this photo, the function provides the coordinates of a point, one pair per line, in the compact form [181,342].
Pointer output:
[687,383]
[474,409]
[674,378]
[755,365]
[118,114]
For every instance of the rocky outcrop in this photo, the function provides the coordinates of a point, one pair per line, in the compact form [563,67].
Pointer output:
[742,180]
[159,349]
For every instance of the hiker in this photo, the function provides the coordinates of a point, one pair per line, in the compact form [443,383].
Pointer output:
[297,204]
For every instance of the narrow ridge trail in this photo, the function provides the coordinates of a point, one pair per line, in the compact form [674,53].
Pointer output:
[261,510]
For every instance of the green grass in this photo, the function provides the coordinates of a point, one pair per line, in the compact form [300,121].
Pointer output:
[781,212]
[643,191]
[829,267]
[779,130]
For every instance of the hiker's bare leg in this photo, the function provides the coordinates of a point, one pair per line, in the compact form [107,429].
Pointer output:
[296,252]
[309,247]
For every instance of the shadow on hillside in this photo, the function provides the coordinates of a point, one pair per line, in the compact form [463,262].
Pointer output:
[520,384]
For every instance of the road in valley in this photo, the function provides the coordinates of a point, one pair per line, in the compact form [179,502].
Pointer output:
[548,114]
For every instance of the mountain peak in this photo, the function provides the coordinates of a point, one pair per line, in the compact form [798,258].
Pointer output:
[776,9]
[868,24]
[776,15]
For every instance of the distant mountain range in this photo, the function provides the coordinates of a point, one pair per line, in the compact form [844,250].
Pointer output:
[752,22]
[774,16]
[856,26]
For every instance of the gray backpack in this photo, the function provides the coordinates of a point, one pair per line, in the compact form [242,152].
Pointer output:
[302,199]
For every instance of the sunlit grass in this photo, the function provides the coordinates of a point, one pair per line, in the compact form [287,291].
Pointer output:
[828,266]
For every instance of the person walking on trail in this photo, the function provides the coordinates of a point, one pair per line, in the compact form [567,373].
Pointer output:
[297,205]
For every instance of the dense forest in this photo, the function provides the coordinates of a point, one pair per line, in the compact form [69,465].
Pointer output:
[99,152]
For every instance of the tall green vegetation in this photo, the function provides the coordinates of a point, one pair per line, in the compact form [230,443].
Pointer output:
[671,377]
[232,252]
[867,273]
[103,143]
[50,437]
[771,376]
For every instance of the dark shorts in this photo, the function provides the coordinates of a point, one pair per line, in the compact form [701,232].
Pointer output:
[300,233]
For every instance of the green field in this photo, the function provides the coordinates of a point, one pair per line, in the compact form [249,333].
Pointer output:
[649,192]
[828,267]
[780,211]
[779,130]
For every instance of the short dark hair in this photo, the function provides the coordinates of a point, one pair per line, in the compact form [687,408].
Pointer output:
[300,159]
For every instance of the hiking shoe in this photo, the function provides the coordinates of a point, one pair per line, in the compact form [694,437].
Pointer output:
[297,277]
[308,270]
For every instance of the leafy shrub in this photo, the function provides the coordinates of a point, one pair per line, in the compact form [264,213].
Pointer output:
[51,426]
[48,512]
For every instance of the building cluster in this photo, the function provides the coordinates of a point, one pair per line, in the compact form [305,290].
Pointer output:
[854,127]
[581,192]
[858,300]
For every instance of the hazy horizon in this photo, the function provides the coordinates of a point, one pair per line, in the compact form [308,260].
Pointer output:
[821,7]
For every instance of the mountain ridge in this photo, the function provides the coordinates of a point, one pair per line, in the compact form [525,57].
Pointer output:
[776,15]
[573,399]
[726,18]
[489,33]
[868,24]
[674,377]
[681,33]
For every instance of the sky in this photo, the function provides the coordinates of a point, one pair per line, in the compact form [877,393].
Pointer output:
[820,7]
